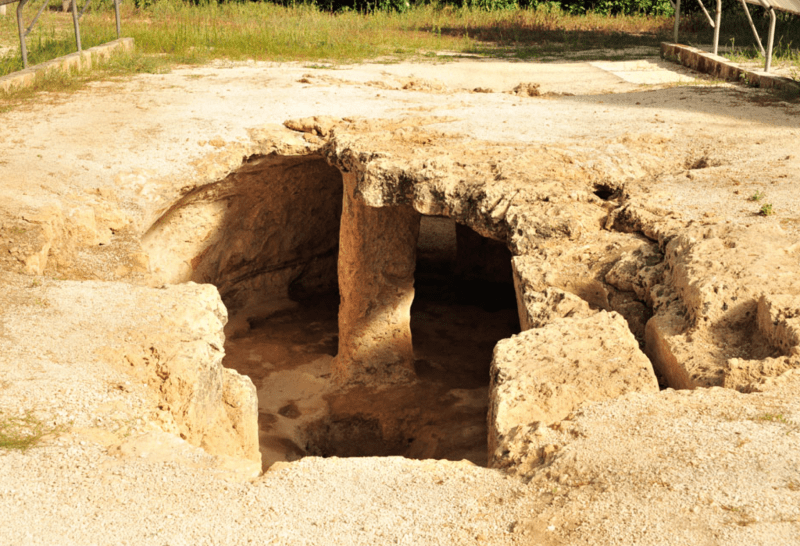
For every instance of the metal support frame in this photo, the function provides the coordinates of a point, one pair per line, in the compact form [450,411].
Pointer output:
[76,25]
[773,18]
[753,28]
[715,24]
[23,32]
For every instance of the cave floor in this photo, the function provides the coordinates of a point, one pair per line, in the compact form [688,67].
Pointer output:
[441,414]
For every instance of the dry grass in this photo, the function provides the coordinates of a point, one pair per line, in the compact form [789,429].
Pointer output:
[188,33]
[175,32]
[24,432]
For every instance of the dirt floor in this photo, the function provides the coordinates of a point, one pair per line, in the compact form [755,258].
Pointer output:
[85,175]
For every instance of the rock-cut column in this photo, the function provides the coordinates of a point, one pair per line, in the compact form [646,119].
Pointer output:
[377,255]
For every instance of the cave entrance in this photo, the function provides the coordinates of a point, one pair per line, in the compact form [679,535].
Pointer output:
[274,237]
[464,302]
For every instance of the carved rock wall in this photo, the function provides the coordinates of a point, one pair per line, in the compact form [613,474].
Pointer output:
[266,229]
[179,357]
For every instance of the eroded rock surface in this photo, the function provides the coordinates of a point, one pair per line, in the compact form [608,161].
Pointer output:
[268,229]
[160,359]
[543,374]
[707,306]
[377,256]
[630,225]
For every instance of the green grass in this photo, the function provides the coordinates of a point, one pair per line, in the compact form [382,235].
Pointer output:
[187,33]
[172,32]
[24,432]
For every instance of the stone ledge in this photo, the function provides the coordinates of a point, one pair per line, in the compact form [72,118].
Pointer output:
[74,61]
[722,68]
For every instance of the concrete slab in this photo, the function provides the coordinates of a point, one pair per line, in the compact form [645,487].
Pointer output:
[646,72]
[722,68]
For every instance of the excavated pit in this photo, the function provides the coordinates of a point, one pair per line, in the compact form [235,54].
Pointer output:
[268,237]
[372,323]
[369,330]
[464,304]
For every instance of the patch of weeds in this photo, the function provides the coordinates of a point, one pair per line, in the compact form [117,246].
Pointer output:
[772,418]
[745,79]
[135,62]
[24,432]
[757,196]
[35,283]
[766,210]
[672,58]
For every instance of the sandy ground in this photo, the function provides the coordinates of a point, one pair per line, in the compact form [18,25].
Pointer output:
[130,145]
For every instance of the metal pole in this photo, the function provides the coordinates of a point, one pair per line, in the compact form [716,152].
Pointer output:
[86,5]
[705,11]
[38,14]
[717,20]
[116,14]
[22,47]
[75,24]
[753,28]
[770,40]
[677,20]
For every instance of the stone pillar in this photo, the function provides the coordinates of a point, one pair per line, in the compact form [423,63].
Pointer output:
[377,255]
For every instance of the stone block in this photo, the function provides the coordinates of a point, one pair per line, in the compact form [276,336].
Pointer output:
[544,374]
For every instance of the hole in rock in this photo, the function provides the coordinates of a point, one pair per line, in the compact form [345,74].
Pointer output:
[605,192]
[267,236]
[464,304]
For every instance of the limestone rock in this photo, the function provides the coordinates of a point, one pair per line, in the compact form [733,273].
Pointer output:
[55,235]
[779,321]
[121,360]
[317,125]
[637,271]
[543,374]
[711,304]
[376,283]
[538,309]
[256,234]
[609,271]
[241,405]
[754,375]
[178,353]
[493,190]
[526,90]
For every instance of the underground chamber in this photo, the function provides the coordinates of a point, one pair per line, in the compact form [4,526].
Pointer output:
[274,237]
